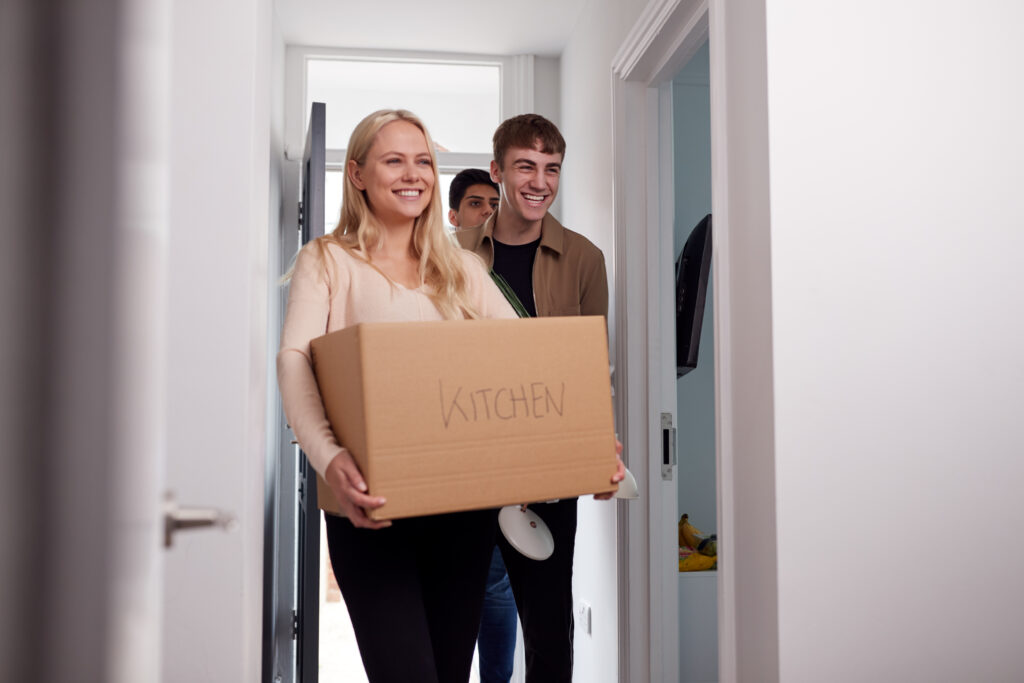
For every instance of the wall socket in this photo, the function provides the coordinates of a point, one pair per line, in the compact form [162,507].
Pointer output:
[583,616]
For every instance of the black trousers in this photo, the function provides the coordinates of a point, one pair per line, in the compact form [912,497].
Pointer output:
[414,592]
[543,592]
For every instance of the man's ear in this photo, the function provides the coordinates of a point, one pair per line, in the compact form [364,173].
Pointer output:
[355,174]
[453,218]
[495,172]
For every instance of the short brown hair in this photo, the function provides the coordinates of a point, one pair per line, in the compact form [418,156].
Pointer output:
[527,131]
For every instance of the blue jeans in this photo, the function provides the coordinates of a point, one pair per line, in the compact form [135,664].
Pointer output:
[497,641]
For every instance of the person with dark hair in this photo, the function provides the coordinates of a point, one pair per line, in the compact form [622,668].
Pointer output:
[472,198]
[553,271]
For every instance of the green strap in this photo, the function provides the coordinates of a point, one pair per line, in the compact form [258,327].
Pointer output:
[506,289]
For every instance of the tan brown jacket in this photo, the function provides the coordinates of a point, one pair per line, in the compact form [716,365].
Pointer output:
[568,274]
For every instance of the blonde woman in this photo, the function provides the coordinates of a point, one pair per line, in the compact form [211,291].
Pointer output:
[413,588]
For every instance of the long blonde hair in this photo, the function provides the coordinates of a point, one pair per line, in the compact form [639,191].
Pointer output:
[440,264]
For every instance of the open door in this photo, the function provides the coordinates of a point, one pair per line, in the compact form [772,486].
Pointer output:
[136,304]
[311,226]
[291,629]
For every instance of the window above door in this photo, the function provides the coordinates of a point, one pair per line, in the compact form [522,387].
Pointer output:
[460,97]
[460,103]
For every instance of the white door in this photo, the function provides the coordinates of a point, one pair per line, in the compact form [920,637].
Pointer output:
[194,326]
[216,334]
[140,372]
[217,337]
[151,145]
[89,264]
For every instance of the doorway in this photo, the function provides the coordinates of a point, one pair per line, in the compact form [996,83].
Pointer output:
[665,37]
[695,390]
[677,619]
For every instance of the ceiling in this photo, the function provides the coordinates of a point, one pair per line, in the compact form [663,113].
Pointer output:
[539,27]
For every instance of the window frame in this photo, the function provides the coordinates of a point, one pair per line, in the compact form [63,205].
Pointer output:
[515,94]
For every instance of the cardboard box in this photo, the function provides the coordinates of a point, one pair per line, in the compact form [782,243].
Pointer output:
[469,414]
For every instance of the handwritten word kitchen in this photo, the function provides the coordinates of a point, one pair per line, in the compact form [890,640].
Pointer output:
[534,400]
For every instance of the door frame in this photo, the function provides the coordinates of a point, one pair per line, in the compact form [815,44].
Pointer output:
[664,38]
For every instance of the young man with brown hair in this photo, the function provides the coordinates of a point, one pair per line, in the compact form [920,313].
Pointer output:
[553,271]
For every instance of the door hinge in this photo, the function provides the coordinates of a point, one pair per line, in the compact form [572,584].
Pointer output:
[295,625]
[668,446]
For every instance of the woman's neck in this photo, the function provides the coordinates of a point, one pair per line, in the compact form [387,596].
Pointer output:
[397,242]
[394,256]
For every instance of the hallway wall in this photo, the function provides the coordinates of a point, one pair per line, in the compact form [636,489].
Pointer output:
[896,236]
[586,206]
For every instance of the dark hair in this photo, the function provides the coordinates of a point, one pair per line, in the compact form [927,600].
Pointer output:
[527,130]
[463,181]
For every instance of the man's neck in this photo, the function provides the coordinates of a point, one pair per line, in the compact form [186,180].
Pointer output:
[512,229]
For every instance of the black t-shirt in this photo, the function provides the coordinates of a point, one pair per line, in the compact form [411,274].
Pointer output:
[514,262]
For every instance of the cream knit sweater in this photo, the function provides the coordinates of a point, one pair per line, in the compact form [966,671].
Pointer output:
[352,292]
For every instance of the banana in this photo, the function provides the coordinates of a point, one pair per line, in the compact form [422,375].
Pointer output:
[697,562]
[688,534]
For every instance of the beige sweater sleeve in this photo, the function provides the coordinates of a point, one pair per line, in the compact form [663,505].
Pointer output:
[309,306]
[318,304]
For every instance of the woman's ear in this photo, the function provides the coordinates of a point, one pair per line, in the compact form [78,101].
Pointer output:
[355,174]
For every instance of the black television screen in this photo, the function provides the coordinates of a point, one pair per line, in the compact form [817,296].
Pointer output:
[692,268]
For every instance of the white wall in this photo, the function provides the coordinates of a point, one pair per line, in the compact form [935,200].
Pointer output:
[748,595]
[217,332]
[897,228]
[547,91]
[586,207]
[547,88]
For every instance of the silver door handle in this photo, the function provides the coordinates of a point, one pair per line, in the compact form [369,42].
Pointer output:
[178,517]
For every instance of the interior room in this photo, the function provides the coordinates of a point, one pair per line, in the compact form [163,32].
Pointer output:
[850,432]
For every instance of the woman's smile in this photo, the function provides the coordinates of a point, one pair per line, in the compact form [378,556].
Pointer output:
[398,174]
